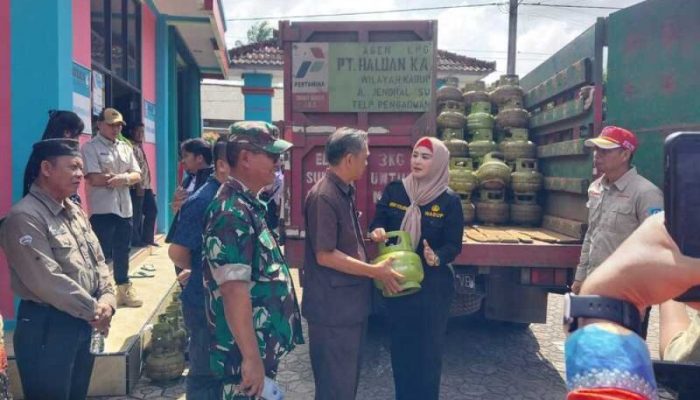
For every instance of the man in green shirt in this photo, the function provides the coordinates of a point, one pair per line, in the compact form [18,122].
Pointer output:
[250,301]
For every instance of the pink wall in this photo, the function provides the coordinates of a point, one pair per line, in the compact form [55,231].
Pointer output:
[82,191]
[6,306]
[81,33]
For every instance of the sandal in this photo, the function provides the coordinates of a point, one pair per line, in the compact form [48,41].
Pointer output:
[148,267]
[142,274]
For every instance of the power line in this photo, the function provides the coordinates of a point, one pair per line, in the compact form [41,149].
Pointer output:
[498,51]
[402,10]
[571,6]
[366,12]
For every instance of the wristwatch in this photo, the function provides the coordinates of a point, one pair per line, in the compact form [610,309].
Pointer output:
[619,311]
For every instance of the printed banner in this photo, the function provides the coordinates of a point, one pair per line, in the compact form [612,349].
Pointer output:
[362,77]
[81,95]
[149,121]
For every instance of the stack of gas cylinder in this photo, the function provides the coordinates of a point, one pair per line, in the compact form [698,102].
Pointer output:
[518,151]
[166,358]
[451,120]
[494,153]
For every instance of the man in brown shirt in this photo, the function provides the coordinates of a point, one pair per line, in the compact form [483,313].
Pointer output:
[57,268]
[337,284]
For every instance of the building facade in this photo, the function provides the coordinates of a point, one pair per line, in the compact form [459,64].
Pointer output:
[145,58]
[254,89]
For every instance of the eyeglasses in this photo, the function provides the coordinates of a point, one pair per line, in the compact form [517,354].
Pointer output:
[255,149]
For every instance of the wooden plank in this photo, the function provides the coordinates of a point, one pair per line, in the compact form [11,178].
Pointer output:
[575,75]
[570,185]
[574,147]
[522,237]
[497,234]
[474,234]
[548,236]
[562,112]
[575,229]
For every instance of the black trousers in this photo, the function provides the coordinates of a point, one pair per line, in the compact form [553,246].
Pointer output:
[114,234]
[52,350]
[417,326]
[335,359]
[144,218]
[150,211]
[137,218]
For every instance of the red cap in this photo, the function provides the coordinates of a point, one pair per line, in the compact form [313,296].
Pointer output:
[612,137]
[425,142]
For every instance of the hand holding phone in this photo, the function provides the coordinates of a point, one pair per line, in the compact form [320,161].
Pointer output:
[682,196]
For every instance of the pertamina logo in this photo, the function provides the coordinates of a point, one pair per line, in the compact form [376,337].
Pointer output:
[311,66]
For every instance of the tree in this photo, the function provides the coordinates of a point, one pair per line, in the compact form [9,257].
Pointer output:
[259,32]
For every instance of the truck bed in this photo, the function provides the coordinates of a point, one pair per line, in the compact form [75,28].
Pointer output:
[517,246]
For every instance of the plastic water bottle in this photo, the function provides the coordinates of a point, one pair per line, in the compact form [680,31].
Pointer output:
[271,390]
[97,342]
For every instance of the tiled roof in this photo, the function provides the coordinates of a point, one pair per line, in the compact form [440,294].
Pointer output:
[267,53]
[260,54]
[448,61]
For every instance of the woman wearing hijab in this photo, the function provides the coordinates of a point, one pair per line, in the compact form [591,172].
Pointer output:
[63,125]
[422,205]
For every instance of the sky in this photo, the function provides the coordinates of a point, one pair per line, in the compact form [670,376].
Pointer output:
[479,32]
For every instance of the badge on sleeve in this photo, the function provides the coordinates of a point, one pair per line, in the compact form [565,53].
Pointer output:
[26,240]
[653,210]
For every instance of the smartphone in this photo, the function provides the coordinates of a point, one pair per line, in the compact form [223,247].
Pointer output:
[682,196]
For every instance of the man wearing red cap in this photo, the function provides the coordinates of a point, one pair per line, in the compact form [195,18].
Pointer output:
[618,201]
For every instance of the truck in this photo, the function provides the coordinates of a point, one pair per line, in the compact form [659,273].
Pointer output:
[636,69]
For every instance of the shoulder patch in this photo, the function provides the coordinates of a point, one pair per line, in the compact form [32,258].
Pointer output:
[653,210]
[26,240]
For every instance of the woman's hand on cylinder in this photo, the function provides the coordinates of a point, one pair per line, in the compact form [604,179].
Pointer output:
[378,235]
[429,255]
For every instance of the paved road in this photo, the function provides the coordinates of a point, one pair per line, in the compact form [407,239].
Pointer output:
[482,361]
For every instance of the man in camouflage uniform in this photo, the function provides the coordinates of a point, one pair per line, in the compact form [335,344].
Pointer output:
[250,300]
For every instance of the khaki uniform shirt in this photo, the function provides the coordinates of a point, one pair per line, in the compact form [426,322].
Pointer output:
[101,156]
[685,346]
[54,256]
[614,212]
[143,165]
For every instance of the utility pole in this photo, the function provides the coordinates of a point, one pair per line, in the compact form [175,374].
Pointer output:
[512,35]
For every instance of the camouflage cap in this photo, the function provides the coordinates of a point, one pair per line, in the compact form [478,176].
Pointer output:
[260,134]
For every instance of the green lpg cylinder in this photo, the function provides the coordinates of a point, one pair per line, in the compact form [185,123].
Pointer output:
[480,116]
[468,208]
[508,92]
[491,209]
[525,210]
[166,361]
[526,179]
[406,262]
[451,118]
[462,178]
[451,105]
[479,148]
[512,117]
[455,143]
[493,173]
[474,92]
[515,149]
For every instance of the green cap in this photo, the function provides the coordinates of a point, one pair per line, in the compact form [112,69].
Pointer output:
[260,134]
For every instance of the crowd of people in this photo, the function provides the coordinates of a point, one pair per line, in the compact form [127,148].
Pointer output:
[239,302]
